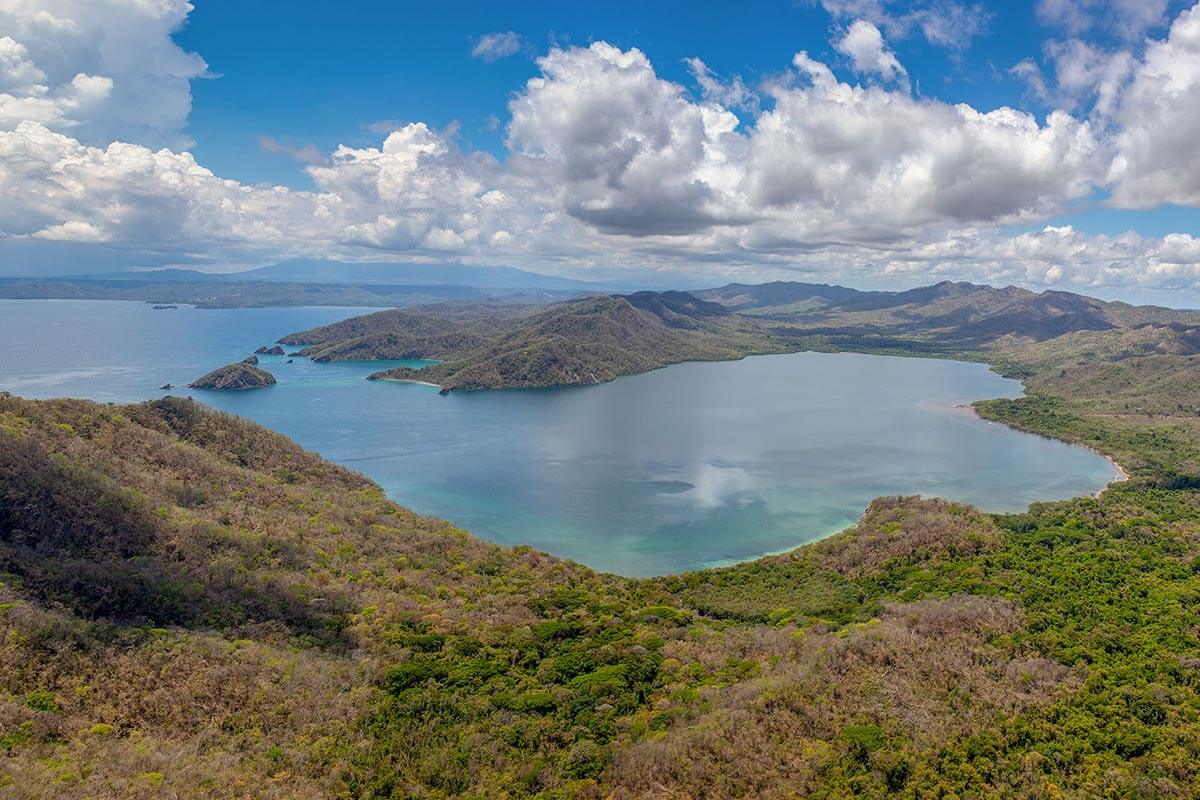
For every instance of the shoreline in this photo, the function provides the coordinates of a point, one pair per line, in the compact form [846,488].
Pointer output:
[968,410]
[409,380]
[1122,475]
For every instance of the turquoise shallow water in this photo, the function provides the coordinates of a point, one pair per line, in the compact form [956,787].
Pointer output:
[690,466]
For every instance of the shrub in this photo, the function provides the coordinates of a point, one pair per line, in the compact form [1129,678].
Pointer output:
[191,497]
[41,701]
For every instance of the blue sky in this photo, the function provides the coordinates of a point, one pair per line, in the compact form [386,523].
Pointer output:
[873,142]
[305,75]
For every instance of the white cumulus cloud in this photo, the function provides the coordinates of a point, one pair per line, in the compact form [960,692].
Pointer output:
[620,148]
[951,24]
[608,164]
[104,69]
[1159,117]
[864,45]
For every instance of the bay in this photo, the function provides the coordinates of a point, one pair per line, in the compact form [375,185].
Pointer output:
[695,465]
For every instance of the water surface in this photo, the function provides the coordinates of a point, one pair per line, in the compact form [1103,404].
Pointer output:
[685,467]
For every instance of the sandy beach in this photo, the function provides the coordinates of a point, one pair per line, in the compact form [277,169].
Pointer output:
[410,380]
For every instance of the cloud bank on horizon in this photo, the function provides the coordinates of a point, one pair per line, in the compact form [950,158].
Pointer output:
[608,166]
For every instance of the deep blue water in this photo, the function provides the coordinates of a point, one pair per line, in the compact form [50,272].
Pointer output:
[681,468]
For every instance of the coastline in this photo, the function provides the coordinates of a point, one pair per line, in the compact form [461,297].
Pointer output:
[968,410]
[409,380]
[1122,475]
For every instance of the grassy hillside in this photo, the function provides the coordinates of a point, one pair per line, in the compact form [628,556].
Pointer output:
[952,316]
[437,332]
[194,607]
[596,340]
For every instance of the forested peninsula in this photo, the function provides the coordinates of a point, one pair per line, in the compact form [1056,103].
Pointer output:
[598,338]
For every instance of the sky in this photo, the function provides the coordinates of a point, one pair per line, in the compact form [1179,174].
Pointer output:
[875,143]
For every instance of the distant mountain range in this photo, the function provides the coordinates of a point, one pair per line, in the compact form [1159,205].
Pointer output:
[305,282]
[973,312]
[262,294]
[390,273]
[321,271]
[961,315]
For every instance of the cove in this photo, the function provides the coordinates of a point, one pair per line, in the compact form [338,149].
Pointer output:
[695,465]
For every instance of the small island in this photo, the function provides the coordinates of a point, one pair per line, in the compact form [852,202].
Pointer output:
[270,351]
[236,376]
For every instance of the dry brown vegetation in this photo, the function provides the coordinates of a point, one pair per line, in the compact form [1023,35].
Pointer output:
[201,606]
[875,694]
[907,530]
[193,606]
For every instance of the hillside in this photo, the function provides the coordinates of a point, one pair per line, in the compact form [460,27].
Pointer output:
[436,332]
[194,607]
[954,316]
[596,339]
[592,341]
[778,295]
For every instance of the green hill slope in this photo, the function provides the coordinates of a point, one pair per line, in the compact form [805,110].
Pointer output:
[595,340]
[434,332]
